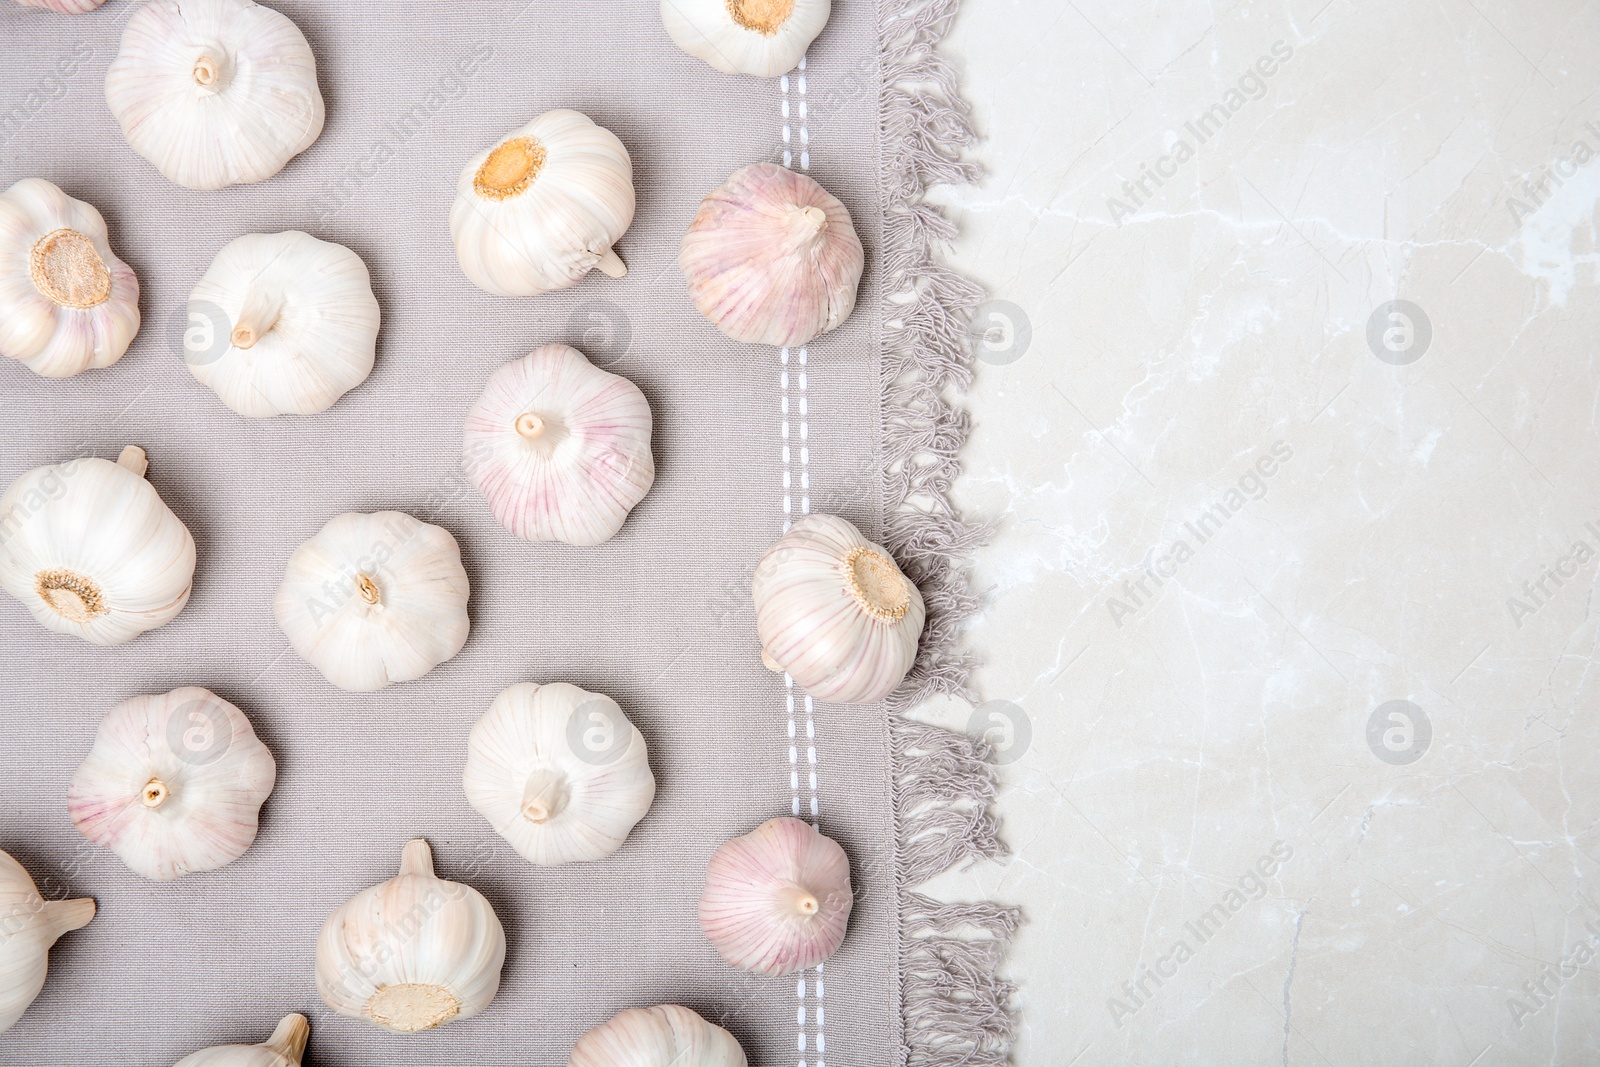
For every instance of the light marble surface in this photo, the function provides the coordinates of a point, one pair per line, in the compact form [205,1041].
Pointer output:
[1214,337]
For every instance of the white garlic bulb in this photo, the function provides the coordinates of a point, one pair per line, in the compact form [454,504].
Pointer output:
[760,37]
[29,925]
[282,323]
[67,303]
[65,7]
[559,448]
[777,900]
[173,784]
[411,953]
[542,207]
[772,257]
[559,772]
[283,1049]
[663,1036]
[215,92]
[834,611]
[90,549]
[375,599]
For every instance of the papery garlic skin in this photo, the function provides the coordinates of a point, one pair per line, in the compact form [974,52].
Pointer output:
[764,38]
[772,258]
[282,324]
[542,206]
[65,7]
[375,599]
[559,448]
[174,783]
[777,900]
[283,1049]
[215,92]
[835,612]
[29,925]
[90,549]
[662,1036]
[411,953]
[559,772]
[67,303]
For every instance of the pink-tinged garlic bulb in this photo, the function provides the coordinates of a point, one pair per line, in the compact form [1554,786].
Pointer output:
[67,303]
[777,899]
[173,784]
[835,612]
[663,1036]
[772,258]
[65,7]
[559,448]
[412,953]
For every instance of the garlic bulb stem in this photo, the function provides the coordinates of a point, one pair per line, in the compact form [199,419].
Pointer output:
[206,74]
[133,458]
[805,903]
[154,794]
[611,265]
[368,589]
[64,916]
[417,858]
[289,1038]
[243,337]
[542,798]
[770,663]
[816,217]
[529,425]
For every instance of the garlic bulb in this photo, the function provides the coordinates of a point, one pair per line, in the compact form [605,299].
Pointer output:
[375,599]
[559,448]
[777,899]
[173,784]
[282,323]
[558,772]
[772,258]
[663,1036]
[411,953]
[29,925]
[65,7]
[541,208]
[67,303]
[283,1049]
[215,92]
[760,37]
[91,550]
[834,611]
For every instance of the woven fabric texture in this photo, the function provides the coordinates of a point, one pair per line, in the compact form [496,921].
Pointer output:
[659,618]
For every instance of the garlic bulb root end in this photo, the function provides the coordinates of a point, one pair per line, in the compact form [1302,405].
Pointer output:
[876,583]
[74,596]
[611,264]
[67,269]
[413,1006]
[765,17]
[510,169]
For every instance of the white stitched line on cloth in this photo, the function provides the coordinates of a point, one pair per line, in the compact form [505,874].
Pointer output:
[801,377]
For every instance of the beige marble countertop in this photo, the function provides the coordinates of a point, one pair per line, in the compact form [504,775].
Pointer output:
[1290,601]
